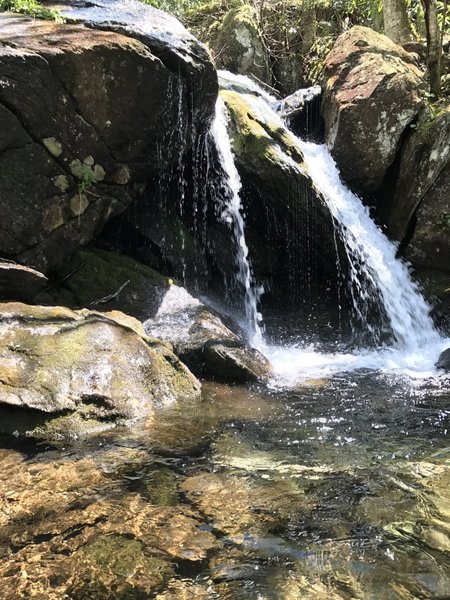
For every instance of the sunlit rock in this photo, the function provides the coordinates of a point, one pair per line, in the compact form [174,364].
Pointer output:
[82,370]
[202,341]
[371,95]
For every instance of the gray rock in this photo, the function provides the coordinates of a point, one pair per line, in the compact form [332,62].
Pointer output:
[424,154]
[444,360]
[239,46]
[202,341]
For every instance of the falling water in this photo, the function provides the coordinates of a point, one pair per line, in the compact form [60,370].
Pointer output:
[231,213]
[377,275]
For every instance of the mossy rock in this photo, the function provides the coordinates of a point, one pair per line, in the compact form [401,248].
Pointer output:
[257,142]
[238,44]
[108,281]
[281,204]
[87,369]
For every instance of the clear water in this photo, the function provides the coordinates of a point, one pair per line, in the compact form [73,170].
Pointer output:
[334,489]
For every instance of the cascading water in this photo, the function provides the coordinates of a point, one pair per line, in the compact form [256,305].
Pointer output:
[231,213]
[377,276]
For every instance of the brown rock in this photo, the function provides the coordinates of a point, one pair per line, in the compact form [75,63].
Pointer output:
[371,94]
[76,136]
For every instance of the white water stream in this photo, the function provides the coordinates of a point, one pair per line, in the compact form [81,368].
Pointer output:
[375,271]
[232,214]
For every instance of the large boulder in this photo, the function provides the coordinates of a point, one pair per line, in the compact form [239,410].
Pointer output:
[77,141]
[87,368]
[202,341]
[281,205]
[238,44]
[105,280]
[423,155]
[372,92]
[430,243]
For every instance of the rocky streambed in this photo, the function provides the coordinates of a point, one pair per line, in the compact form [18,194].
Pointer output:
[317,492]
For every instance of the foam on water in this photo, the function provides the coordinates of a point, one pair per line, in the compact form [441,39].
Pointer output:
[294,364]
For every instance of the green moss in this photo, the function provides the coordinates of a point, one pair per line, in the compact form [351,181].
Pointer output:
[243,15]
[254,138]
[114,558]
[31,8]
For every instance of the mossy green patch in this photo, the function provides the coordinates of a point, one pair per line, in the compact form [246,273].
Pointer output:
[254,137]
[31,8]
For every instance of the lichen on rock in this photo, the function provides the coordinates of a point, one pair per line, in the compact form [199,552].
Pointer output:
[99,368]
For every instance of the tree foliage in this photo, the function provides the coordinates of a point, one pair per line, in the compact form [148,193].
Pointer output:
[32,8]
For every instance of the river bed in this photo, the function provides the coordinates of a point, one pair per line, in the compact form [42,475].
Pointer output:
[336,488]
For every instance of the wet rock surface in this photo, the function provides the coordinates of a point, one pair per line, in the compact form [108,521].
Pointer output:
[75,371]
[301,111]
[202,341]
[69,114]
[371,95]
[282,205]
[444,360]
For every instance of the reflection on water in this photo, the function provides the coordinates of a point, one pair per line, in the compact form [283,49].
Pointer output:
[337,489]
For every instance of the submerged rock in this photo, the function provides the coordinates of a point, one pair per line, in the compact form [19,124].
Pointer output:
[71,528]
[371,94]
[89,140]
[202,341]
[72,371]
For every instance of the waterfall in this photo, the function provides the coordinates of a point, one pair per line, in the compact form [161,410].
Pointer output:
[375,271]
[231,213]
[377,276]
[372,257]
